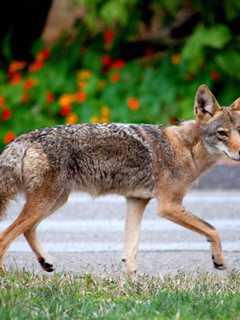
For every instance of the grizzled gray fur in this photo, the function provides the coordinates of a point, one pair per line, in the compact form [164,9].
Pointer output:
[98,159]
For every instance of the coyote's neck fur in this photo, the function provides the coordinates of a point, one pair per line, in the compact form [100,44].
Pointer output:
[189,158]
[189,133]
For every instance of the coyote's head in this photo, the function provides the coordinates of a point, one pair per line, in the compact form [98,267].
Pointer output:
[220,126]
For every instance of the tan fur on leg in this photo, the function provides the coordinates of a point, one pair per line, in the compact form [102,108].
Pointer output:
[31,236]
[26,219]
[135,209]
[35,209]
[176,213]
[43,258]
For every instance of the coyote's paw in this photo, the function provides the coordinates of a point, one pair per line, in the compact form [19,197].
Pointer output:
[45,265]
[129,269]
[218,262]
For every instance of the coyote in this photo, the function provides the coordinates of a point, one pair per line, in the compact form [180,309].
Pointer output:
[139,162]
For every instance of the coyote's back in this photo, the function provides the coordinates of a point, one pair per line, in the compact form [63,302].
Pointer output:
[94,158]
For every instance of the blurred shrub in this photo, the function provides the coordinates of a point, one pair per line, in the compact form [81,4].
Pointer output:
[87,78]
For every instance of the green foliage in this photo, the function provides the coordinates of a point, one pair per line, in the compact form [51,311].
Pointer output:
[215,37]
[231,8]
[110,11]
[85,79]
[229,62]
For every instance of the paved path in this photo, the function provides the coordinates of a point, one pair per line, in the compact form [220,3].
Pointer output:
[86,235]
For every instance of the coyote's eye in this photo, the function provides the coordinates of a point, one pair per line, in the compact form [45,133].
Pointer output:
[222,133]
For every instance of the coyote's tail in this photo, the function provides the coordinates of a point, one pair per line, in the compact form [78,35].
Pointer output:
[10,173]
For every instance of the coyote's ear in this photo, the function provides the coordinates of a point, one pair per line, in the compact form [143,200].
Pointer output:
[235,106]
[206,104]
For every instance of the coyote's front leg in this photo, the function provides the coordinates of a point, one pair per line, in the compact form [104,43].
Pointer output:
[176,213]
[135,209]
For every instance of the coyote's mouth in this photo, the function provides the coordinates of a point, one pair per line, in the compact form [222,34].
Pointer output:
[235,159]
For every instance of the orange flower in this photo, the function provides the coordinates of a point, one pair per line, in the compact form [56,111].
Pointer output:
[15,78]
[81,84]
[66,99]
[133,103]
[43,55]
[16,66]
[118,64]
[25,98]
[106,60]
[104,119]
[80,97]
[105,111]
[115,77]
[9,137]
[35,66]
[176,58]
[50,97]
[2,101]
[6,114]
[108,36]
[72,118]
[65,110]
[29,83]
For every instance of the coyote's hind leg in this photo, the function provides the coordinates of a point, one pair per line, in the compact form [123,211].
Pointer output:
[34,210]
[43,258]
[31,236]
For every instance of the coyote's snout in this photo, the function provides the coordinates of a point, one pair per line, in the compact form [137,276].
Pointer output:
[139,162]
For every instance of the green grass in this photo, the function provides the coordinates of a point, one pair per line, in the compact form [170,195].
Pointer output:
[65,296]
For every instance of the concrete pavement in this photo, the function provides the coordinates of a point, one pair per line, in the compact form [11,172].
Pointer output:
[86,235]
